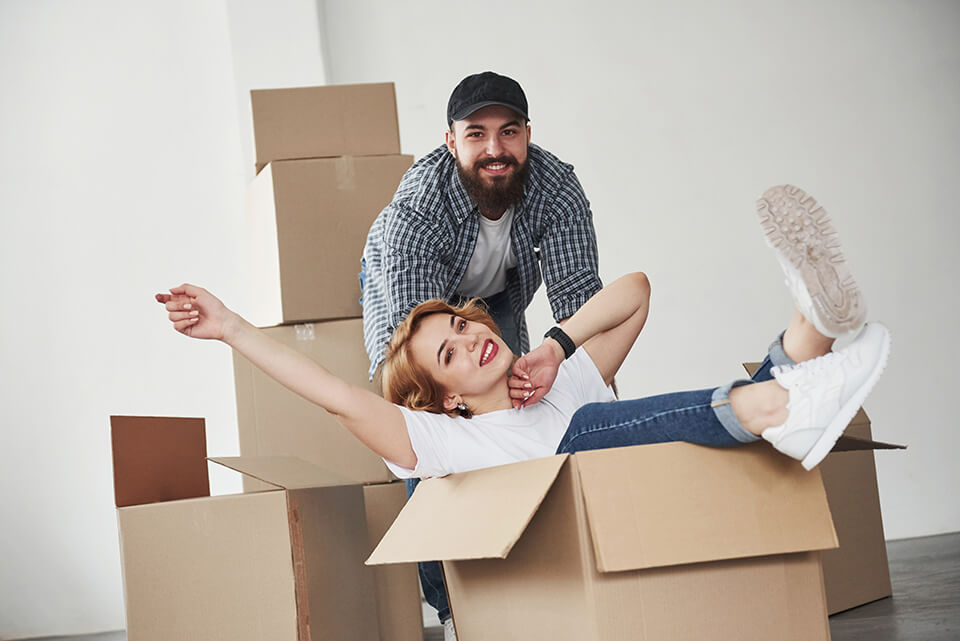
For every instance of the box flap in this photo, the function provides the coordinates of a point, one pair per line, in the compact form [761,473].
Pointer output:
[852,443]
[676,503]
[287,472]
[473,515]
[158,459]
[326,121]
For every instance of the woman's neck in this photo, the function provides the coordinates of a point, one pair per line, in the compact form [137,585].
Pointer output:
[497,399]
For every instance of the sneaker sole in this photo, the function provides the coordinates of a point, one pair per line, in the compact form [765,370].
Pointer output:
[800,230]
[835,429]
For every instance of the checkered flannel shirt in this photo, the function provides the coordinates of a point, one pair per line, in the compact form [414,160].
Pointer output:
[420,245]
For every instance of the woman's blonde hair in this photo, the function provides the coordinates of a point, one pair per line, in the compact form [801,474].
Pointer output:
[411,385]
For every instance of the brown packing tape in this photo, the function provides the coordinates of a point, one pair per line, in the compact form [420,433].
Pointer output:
[346,173]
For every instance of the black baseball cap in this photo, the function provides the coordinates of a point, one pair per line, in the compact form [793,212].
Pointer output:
[482,90]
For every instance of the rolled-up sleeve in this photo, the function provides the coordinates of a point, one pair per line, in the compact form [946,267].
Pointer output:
[568,251]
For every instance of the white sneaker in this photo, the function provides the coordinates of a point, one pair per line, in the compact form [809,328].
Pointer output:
[825,393]
[449,634]
[800,233]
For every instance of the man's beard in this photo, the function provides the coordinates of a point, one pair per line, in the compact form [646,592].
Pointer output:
[503,192]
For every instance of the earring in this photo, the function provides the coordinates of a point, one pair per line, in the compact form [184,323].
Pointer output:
[462,407]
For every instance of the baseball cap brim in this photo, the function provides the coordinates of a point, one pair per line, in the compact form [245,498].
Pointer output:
[466,111]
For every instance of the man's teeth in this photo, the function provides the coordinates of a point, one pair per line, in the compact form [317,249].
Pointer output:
[497,166]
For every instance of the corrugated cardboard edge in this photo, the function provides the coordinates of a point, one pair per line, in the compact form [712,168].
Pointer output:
[299,570]
[477,522]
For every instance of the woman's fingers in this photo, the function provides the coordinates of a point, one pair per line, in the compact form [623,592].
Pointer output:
[179,316]
[534,397]
[176,303]
[519,393]
[183,325]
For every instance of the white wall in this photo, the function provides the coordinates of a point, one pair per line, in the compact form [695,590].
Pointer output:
[124,151]
[677,116]
[125,147]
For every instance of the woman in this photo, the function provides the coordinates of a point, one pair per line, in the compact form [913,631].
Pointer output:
[461,403]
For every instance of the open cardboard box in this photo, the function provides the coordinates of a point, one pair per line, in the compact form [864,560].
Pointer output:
[307,224]
[279,564]
[667,542]
[856,572]
[319,122]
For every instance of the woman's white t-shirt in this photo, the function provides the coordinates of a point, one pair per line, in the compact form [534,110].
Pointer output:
[446,445]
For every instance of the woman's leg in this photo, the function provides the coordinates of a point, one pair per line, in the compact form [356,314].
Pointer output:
[802,413]
[800,342]
[704,417]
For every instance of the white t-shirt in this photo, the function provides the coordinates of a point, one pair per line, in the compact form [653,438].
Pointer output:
[486,274]
[446,445]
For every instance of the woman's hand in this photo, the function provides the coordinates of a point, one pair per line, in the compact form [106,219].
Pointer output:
[196,312]
[534,373]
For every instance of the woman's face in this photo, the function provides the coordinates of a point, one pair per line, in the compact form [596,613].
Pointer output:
[467,359]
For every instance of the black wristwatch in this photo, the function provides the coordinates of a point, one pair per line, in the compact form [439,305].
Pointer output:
[565,341]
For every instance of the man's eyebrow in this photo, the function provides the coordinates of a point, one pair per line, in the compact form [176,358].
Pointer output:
[512,123]
[444,343]
[480,127]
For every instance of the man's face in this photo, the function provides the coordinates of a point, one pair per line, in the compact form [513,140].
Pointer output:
[490,146]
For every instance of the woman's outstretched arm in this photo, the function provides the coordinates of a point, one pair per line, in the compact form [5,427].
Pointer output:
[378,424]
[606,326]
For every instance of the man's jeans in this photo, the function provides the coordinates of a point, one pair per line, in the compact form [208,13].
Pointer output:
[431,574]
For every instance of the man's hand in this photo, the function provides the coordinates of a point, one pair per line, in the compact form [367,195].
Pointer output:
[196,312]
[533,374]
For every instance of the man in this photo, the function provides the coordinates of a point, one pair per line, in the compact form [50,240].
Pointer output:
[482,215]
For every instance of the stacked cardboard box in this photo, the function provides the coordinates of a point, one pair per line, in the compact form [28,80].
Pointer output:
[285,559]
[328,161]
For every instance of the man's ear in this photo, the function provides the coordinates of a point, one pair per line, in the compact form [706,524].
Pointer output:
[450,401]
[450,139]
[528,132]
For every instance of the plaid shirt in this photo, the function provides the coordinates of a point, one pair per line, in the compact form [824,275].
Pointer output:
[420,245]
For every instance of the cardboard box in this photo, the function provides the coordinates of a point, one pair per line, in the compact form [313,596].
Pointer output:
[857,572]
[658,542]
[319,122]
[276,422]
[398,586]
[307,223]
[280,564]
